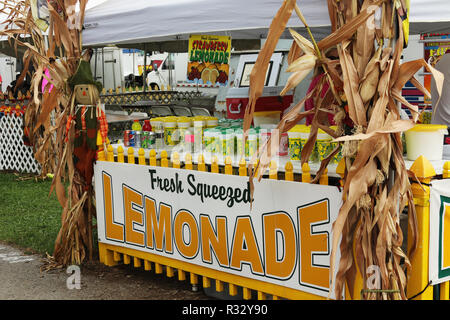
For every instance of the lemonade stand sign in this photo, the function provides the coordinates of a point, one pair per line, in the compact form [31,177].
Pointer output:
[209,58]
[205,219]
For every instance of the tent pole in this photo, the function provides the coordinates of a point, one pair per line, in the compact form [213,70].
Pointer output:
[95,64]
[144,72]
[103,67]
[170,68]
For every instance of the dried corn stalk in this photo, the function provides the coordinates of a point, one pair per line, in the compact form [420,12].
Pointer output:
[50,114]
[364,91]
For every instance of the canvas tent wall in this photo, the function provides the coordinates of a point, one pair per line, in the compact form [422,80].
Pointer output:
[165,25]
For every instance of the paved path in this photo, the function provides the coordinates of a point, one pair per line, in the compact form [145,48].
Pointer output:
[20,278]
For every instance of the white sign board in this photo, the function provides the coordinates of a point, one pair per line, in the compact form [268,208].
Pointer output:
[439,256]
[206,219]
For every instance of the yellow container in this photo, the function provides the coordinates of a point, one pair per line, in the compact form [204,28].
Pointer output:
[183,123]
[251,145]
[240,149]
[266,117]
[338,156]
[425,140]
[199,125]
[170,127]
[211,122]
[156,123]
[295,143]
[304,133]
[228,145]
[322,146]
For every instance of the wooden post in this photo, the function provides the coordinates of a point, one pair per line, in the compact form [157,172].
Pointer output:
[206,282]
[255,165]
[232,289]
[444,289]
[242,168]
[110,153]
[194,279]
[273,170]
[289,171]
[261,295]
[340,170]
[323,180]
[164,160]
[120,154]
[418,280]
[188,161]
[152,157]
[306,173]
[101,155]
[247,293]
[136,262]
[106,256]
[176,160]
[141,156]
[117,256]
[181,275]
[215,165]
[446,171]
[170,272]
[131,155]
[219,286]
[228,165]
[201,163]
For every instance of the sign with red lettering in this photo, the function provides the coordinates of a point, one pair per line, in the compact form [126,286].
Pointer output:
[206,219]
[209,58]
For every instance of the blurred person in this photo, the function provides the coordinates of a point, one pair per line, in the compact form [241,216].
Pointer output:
[441,105]
[316,80]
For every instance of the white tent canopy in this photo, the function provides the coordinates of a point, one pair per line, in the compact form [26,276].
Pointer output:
[126,23]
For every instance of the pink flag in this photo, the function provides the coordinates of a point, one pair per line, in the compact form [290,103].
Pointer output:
[45,81]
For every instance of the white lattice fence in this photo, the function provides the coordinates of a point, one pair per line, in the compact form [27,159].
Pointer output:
[14,155]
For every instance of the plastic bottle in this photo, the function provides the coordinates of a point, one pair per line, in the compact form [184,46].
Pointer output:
[170,134]
[159,133]
[208,142]
[198,135]
[189,140]
[216,143]
[252,142]
[148,137]
[229,143]
[183,124]
[136,126]
[147,126]
[240,149]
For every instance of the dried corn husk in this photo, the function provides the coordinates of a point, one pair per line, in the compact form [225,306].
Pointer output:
[368,76]
[53,148]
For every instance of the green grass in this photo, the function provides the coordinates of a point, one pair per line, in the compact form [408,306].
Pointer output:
[29,218]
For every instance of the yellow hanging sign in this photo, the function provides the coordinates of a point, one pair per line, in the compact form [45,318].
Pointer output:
[209,58]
